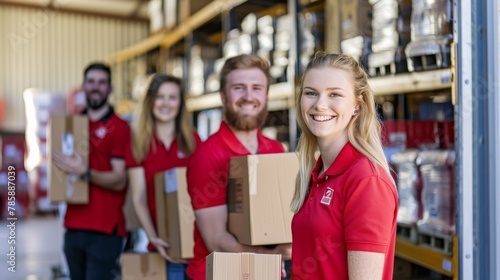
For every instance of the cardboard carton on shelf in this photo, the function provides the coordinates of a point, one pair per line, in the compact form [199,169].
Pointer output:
[150,266]
[243,266]
[174,214]
[68,135]
[260,190]
[356,18]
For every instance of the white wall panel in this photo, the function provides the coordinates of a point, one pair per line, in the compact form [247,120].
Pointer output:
[49,50]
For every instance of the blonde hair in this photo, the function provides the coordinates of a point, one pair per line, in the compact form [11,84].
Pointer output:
[363,130]
[143,125]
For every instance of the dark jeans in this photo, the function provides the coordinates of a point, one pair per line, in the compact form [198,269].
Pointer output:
[92,255]
[176,271]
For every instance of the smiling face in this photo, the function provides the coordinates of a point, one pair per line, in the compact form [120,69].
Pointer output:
[328,102]
[167,102]
[245,99]
[97,88]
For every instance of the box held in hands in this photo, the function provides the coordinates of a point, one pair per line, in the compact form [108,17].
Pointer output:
[260,190]
[174,213]
[68,135]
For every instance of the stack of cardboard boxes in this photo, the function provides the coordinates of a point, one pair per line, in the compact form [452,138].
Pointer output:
[259,194]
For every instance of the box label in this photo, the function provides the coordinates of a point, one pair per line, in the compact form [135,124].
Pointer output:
[170,180]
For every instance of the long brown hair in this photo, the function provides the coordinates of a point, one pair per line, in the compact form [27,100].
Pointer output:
[144,121]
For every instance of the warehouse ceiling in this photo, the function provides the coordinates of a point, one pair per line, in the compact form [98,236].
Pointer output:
[125,9]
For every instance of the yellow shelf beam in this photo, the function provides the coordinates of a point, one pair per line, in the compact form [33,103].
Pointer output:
[427,258]
[167,39]
[136,50]
[208,12]
[412,82]
[280,98]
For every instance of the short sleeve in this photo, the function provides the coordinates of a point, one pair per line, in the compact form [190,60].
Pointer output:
[370,215]
[207,179]
[129,157]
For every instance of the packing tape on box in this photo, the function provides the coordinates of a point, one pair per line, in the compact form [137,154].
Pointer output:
[68,150]
[144,263]
[70,189]
[253,161]
[247,265]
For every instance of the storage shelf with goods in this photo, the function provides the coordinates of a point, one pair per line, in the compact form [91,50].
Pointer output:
[405,83]
[413,78]
[195,49]
[439,262]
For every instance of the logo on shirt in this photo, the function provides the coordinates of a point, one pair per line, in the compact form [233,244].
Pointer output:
[101,132]
[327,196]
[180,154]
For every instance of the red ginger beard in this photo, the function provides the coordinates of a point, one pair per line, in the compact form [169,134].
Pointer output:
[244,122]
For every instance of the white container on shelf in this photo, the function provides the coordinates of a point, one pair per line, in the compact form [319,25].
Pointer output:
[438,192]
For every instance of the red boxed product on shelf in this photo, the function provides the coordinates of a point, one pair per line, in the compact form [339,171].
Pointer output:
[422,134]
[12,151]
[394,133]
[447,134]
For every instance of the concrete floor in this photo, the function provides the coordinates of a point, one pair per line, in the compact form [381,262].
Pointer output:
[38,242]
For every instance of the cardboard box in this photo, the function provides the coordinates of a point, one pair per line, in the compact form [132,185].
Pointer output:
[356,18]
[149,266]
[68,135]
[260,191]
[243,266]
[174,213]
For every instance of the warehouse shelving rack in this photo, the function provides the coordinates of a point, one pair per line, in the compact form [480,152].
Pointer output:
[281,97]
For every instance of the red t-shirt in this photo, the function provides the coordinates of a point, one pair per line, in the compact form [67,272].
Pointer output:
[349,208]
[154,162]
[207,176]
[108,138]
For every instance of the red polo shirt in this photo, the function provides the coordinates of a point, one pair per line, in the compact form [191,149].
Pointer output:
[207,176]
[157,161]
[349,208]
[108,138]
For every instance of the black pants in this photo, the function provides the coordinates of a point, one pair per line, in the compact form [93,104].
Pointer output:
[92,255]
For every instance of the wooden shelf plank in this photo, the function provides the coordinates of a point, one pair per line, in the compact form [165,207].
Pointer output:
[167,39]
[427,258]
[280,98]
[136,50]
[199,18]
[412,82]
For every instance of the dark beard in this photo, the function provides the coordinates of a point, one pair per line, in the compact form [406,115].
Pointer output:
[245,123]
[96,104]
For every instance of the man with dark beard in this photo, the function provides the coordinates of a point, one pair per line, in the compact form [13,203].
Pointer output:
[95,232]
[244,86]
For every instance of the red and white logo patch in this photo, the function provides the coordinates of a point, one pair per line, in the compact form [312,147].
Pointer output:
[101,132]
[327,196]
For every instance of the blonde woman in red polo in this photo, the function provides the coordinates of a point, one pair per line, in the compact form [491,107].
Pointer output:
[346,202]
